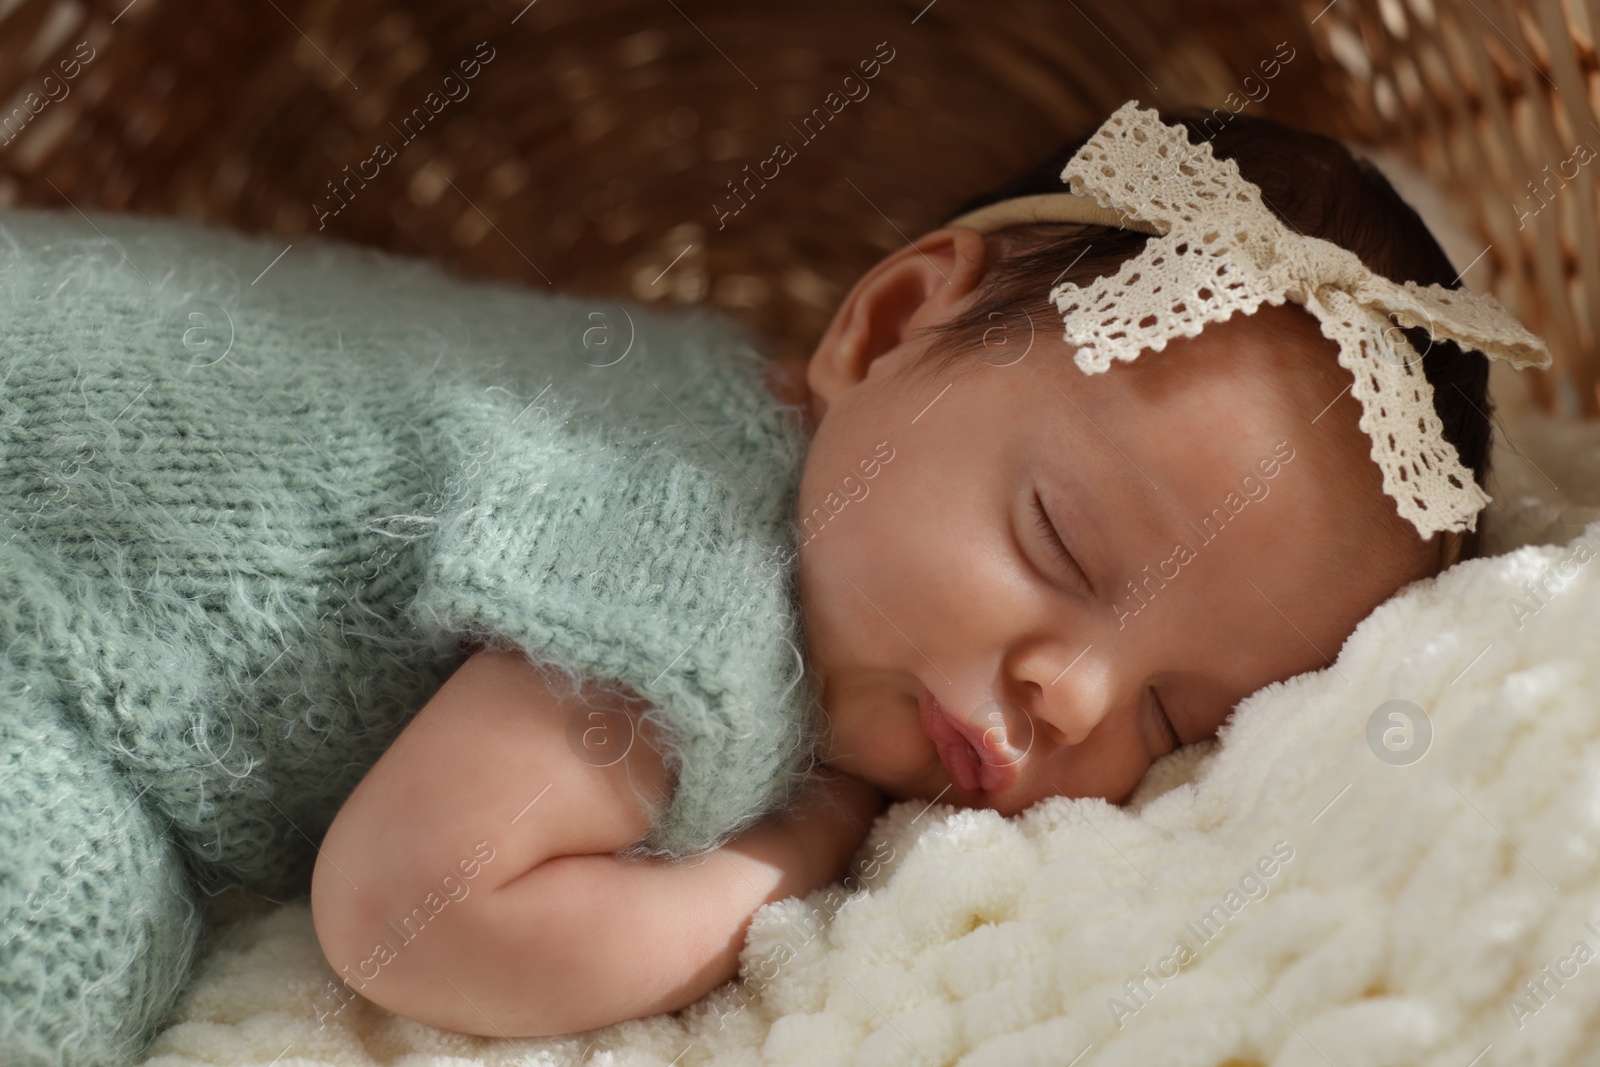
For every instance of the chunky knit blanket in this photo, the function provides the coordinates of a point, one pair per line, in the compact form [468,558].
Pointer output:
[254,502]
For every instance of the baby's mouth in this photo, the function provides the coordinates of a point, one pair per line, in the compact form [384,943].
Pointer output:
[979,761]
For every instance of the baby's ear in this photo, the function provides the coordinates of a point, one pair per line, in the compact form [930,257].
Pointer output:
[908,290]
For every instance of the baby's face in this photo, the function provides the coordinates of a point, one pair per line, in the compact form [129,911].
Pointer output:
[1221,531]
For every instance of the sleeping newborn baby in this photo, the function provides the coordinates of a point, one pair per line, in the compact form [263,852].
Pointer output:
[1017,580]
[546,649]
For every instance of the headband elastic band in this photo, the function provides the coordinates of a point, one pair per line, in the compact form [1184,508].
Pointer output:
[1048,207]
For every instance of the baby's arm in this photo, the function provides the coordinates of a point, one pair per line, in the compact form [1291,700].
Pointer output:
[551,934]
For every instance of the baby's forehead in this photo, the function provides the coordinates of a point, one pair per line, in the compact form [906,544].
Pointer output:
[1276,345]
[1210,411]
[1205,408]
[1270,367]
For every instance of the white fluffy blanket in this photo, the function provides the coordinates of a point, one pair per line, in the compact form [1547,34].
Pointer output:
[1280,896]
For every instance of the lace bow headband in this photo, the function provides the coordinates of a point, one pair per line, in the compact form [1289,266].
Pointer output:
[1219,250]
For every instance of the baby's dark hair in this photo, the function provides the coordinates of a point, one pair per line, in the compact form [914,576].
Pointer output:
[1312,183]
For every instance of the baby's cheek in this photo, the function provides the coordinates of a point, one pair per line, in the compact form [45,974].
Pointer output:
[873,727]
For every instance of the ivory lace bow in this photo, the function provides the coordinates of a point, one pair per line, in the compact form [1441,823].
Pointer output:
[1219,250]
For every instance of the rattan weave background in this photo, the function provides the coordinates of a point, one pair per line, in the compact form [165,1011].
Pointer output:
[594,148]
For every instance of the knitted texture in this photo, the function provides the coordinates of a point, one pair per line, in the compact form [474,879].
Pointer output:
[1222,251]
[99,923]
[251,511]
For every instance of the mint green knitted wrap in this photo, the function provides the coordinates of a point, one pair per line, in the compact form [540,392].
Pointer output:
[248,523]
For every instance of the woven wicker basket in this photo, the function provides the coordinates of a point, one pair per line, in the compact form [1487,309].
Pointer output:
[590,145]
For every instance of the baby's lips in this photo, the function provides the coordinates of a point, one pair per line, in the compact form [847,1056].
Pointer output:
[1007,733]
[979,752]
